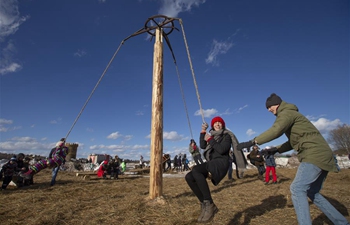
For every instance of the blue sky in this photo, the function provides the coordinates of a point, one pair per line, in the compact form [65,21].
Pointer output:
[54,52]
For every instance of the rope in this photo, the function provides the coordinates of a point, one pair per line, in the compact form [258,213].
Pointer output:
[183,98]
[194,78]
[92,92]
[143,30]
[180,83]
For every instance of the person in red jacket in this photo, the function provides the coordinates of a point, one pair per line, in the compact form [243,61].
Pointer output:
[102,170]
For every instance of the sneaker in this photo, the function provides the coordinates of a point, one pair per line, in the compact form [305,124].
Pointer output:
[275,182]
[266,183]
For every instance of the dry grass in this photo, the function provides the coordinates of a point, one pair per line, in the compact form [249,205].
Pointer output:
[126,201]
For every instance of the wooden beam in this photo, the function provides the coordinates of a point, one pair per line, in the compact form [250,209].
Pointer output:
[156,172]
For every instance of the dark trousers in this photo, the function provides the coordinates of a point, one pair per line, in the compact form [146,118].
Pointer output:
[196,179]
[169,165]
[20,181]
[115,173]
[198,159]
[6,181]
[261,169]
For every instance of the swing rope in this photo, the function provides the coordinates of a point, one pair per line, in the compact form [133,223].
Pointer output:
[192,70]
[182,94]
[143,30]
[140,31]
[93,90]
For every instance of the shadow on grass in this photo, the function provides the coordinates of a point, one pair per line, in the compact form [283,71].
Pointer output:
[268,204]
[323,219]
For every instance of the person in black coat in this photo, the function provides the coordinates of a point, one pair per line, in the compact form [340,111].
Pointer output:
[217,144]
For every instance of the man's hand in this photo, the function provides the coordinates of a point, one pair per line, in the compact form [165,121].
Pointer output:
[247,144]
[269,151]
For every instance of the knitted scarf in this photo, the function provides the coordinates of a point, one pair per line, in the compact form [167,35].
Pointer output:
[239,157]
[217,135]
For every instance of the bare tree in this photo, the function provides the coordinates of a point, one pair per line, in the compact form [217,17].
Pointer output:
[340,137]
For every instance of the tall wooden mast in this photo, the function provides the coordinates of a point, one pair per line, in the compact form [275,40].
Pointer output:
[156,172]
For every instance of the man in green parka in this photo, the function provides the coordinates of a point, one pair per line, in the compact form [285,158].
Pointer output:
[315,156]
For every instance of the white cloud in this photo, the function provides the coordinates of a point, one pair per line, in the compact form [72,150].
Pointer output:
[172,8]
[10,21]
[172,136]
[206,112]
[140,147]
[325,125]
[80,53]
[24,144]
[217,48]
[57,121]
[13,67]
[3,129]
[139,113]
[119,147]
[6,59]
[114,135]
[227,112]
[241,108]
[5,121]
[4,125]
[250,132]
[127,137]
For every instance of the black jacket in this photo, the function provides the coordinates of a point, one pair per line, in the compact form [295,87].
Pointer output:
[219,158]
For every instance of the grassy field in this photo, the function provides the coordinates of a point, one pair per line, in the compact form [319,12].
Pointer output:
[74,200]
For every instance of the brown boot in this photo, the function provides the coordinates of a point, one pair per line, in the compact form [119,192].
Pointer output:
[202,213]
[209,211]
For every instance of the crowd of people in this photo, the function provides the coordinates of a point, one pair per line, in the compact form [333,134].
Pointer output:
[220,149]
[111,167]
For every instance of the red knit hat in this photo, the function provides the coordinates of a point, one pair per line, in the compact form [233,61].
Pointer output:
[217,119]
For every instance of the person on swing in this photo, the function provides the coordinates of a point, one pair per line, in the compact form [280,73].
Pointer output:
[216,145]
[57,158]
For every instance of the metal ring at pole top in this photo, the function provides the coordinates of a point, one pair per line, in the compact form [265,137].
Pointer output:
[160,21]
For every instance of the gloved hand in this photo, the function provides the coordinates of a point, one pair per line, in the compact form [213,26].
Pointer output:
[205,126]
[269,151]
[247,144]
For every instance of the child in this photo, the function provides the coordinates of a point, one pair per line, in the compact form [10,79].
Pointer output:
[58,157]
[257,160]
[270,166]
[9,170]
[26,164]
[20,168]
[195,152]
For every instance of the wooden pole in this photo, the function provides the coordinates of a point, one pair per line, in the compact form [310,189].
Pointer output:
[156,172]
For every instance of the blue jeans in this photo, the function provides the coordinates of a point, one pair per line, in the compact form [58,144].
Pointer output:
[307,183]
[54,175]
